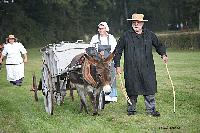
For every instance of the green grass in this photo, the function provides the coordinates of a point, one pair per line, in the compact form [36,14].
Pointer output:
[19,113]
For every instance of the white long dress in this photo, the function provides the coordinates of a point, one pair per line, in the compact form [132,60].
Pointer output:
[14,60]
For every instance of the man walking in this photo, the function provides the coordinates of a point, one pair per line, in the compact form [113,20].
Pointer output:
[139,68]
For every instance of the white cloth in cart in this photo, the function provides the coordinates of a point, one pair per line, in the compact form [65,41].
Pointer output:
[14,60]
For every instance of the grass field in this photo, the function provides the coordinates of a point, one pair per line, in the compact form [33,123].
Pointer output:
[19,113]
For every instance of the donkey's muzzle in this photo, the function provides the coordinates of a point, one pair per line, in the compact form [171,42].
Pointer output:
[107,89]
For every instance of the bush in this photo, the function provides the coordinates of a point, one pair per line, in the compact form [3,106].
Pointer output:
[181,40]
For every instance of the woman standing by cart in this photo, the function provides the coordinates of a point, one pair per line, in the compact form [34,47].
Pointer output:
[105,44]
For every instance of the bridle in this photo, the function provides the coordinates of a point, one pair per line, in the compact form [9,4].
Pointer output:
[94,81]
[86,72]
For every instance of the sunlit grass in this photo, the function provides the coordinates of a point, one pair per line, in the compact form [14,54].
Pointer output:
[20,113]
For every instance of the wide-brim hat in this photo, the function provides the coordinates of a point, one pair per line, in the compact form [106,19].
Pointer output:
[137,17]
[11,37]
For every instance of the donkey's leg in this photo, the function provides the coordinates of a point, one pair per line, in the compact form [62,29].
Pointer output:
[72,93]
[81,93]
[93,101]
[83,105]
[72,87]
[96,105]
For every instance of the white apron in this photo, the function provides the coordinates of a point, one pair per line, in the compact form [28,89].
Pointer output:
[15,72]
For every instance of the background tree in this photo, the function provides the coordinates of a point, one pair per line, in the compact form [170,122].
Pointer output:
[39,22]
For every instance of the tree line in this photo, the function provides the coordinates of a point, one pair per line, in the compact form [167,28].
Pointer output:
[39,22]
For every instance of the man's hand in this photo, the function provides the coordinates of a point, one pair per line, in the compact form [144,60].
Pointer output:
[118,70]
[165,58]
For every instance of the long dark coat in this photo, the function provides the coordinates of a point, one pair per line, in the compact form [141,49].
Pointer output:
[139,68]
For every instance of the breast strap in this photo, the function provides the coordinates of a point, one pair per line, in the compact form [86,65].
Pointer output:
[86,73]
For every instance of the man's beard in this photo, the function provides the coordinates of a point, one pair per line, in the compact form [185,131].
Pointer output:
[137,30]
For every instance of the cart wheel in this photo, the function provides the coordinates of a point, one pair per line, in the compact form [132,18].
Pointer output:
[102,100]
[35,89]
[36,96]
[40,85]
[47,90]
[48,102]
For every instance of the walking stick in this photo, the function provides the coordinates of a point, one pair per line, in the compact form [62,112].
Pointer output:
[123,90]
[172,85]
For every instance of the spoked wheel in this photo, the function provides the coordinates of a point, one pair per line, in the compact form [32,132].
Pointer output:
[48,102]
[47,90]
[34,87]
[102,100]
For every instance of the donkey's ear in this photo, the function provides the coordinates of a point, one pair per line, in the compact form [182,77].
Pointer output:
[90,59]
[110,57]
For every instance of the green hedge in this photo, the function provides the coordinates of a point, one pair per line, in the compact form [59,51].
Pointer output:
[181,40]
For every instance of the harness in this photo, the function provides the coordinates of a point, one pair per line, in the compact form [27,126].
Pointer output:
[82,66]
[86,68]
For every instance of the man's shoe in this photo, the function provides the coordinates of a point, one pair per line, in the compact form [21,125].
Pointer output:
[154,114]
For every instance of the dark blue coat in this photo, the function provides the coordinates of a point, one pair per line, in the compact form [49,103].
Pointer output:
[139,68]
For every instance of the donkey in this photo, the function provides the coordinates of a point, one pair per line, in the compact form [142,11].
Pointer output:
[90,79]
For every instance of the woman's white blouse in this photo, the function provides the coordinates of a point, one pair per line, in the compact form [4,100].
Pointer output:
[104,41]
[13,53]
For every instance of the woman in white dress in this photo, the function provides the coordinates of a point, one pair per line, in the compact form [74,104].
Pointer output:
[14,61]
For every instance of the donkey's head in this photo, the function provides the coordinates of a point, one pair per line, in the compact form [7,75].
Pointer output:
[101,72]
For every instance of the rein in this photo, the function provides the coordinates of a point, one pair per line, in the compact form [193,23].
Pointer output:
[86,73]
[124,90]
[84,66]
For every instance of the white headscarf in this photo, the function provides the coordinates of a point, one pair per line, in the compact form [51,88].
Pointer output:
[104,24]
